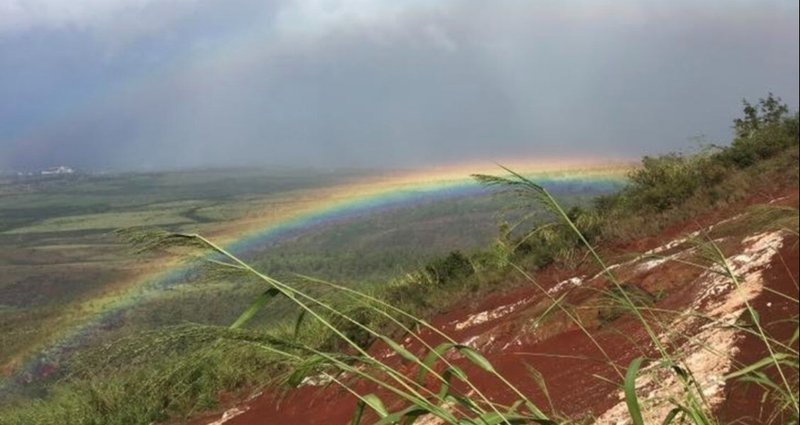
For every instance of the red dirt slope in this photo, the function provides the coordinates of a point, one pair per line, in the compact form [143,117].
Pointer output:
[510,330]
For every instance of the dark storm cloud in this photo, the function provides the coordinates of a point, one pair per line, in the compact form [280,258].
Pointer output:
[187,83]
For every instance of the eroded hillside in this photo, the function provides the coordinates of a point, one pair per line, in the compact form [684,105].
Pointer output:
[565,339]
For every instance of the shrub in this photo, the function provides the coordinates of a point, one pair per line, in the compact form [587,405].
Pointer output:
[664,181]
[765,130]
[455,266]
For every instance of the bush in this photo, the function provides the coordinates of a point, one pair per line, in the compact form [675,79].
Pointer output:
[765,130]
[667,181]
[455,266]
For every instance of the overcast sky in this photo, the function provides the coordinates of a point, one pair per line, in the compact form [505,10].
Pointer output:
[182,83]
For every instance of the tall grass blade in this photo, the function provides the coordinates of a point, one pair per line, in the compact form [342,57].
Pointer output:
[399,349]
[766,361]
[475,357]
[298,323]
[408,416]
[433,355]
[376,404]
[257,305]
[671,416]
[630,392]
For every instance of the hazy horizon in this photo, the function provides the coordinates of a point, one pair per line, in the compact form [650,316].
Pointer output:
[465,167]
[336,84]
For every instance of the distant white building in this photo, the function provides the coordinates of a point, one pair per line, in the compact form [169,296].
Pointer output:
[57,170]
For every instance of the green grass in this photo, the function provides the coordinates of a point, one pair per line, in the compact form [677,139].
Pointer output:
[159,374]
[106,221]
[58,253]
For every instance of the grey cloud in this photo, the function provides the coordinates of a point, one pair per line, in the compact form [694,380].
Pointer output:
[395,85]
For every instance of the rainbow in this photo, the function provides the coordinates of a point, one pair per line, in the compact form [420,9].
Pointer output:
[314,208]
[408,188]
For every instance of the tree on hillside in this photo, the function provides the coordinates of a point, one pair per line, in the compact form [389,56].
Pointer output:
[766,129]
[768,111]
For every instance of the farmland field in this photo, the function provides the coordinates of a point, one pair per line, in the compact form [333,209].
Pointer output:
[62,264]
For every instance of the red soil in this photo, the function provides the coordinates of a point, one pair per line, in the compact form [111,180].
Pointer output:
[503,328]
[742,401]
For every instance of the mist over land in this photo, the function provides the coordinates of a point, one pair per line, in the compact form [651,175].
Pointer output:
[129,84]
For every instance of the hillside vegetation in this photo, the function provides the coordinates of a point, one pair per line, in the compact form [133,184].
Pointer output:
[328,331]
[61,263]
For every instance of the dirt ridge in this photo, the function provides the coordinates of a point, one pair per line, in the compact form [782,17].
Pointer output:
[509,330]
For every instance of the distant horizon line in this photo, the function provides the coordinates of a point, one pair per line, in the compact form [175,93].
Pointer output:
[547,163]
